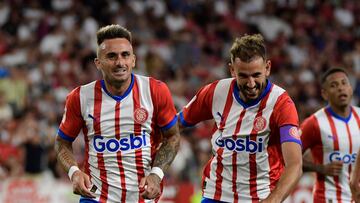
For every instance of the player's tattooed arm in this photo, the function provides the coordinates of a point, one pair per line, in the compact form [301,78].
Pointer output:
[64,153]
[168,149]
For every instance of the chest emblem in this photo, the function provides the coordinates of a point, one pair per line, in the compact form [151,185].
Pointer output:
[140,115]
[259,123]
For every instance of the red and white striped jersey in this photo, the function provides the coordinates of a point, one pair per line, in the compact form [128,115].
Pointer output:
[247,161]
[121,133]
[332,138]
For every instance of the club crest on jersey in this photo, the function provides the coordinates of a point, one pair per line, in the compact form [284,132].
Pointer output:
[259,123]
[140,115]
[294,132]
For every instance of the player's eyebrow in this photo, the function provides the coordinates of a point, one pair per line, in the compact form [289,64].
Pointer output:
[246,75]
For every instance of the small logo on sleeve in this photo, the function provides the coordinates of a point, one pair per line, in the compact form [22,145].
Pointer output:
[294,132]
[140,115]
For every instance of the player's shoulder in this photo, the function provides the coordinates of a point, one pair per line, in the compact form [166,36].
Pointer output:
[320,113]
[88,85]
[221,84]
[312,119]
[148,80]
[356,109]
[279,90]
[82,88]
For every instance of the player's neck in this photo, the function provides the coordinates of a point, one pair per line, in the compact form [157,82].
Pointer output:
[341,111]
[117,89]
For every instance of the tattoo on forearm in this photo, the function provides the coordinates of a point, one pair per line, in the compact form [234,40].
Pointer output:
[167,153]
[64,154]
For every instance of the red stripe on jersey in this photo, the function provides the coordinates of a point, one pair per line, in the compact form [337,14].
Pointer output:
[86,158]
[118,154]
[358,123]
[234,156]
[207,168]
[356,116]
[252,157]
[155,134]
[350,145]
[219,169]
[137,131]
[318,156]
[117,120]
[336,148]
[97,129]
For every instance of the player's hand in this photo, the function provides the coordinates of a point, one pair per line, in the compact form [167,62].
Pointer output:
[333,168]
[150,186]
[82,184]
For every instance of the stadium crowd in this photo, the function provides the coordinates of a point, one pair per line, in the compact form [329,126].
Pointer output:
[47,48]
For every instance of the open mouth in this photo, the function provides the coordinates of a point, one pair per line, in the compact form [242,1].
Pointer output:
[119,70]
[251,91]
[343,96]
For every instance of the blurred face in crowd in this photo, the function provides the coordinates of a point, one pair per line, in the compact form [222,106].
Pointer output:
[250,77]
[116,60]
[337,90]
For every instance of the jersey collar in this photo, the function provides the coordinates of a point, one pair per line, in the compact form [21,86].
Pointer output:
[119,98]
[253,103]
[328,108]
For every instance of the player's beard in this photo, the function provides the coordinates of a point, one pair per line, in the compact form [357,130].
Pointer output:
[116,83]
[259,88]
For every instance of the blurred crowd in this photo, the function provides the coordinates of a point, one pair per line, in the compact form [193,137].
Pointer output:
[47,48]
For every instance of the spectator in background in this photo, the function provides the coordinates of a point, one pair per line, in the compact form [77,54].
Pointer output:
[255,142]
[128,120]
[6,112]
[332,134]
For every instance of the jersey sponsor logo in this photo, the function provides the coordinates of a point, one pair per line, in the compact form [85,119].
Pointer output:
[344,157]
[294,132]
[123,144]
[241,144]
[140,115]
[259,123]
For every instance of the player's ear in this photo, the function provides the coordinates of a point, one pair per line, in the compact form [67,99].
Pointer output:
[134,61]
[97,63]
[268,68]
[324,94]
[231,69]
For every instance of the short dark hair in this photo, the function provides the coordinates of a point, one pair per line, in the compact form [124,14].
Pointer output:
[330,71]
[112,32]
[247,47]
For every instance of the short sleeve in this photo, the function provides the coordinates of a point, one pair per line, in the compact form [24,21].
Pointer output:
[310,133]
[200,106]
[285,111]
[72,121]
[165,115]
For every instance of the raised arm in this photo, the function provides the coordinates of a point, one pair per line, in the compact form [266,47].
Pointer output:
[291,152]
[80,181]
